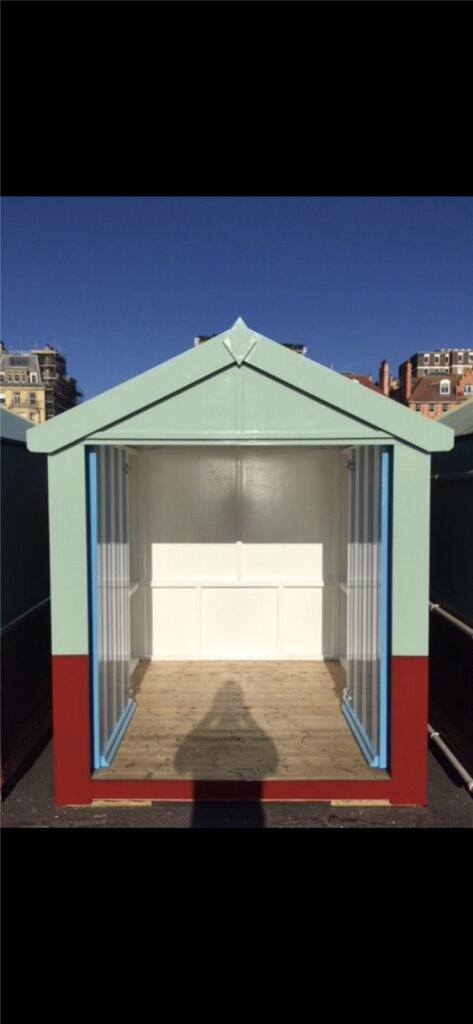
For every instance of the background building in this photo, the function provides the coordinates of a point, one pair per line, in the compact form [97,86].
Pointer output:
[432,383]
[35,384]
[361,378]
[440,360]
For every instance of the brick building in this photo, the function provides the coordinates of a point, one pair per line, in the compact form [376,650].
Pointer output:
[454,361]
[432,383]
[436,394]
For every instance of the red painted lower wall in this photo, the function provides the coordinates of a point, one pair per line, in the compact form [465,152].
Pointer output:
[72,754]
[71,729]
[409,717]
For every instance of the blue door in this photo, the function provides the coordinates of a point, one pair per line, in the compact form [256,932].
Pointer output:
[112,705]
[365,699]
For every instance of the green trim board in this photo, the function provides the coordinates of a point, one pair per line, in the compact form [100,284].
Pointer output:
[236,385]
[68,551]
[410,551]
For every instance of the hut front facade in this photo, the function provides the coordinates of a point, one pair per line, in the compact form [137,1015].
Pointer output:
[239,583]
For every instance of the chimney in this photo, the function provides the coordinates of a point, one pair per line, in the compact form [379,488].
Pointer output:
[406,381]
[294,347]
[384,378]
[203,337]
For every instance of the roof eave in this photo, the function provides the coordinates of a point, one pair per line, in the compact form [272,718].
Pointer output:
[240,345]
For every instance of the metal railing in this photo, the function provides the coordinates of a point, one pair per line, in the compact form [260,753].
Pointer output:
[436,737]
[451,618]
[433,733]
[466,474]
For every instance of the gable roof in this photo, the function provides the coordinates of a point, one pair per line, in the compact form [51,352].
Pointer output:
[241,347]
[460,419]
[12,427]
[427,388]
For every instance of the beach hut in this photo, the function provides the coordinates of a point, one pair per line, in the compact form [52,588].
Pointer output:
[451,592]
[239,576]
[25,620]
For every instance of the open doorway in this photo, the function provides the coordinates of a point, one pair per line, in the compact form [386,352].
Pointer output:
[240,629]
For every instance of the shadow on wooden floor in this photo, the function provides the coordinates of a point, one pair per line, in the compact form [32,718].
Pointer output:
[220,735]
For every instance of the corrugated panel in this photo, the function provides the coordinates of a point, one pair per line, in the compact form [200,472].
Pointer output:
[365,703]
[109,598]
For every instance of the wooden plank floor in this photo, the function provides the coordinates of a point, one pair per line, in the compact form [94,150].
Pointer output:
[246,720]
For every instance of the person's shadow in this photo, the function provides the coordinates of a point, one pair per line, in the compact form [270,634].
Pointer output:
[227,752]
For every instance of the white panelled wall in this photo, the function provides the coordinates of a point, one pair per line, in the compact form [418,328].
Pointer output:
[238,553]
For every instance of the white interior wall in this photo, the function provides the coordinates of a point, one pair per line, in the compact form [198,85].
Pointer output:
[236,552]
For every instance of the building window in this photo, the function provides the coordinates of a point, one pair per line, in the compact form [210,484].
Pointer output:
[32,398]
[2,399]
[417,406]
[468,389]
[16,378]
[33,378]
[460,357]
[444,387]
[445,407]
[2,376]
[470,357]
[431,406]
[436,358]
[426,357]
[16,398]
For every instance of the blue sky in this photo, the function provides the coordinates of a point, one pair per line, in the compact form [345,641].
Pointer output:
[121,284]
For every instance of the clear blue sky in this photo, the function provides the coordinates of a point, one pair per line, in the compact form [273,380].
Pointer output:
[121,284]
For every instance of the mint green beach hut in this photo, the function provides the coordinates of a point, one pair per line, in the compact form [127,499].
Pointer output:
[239,583]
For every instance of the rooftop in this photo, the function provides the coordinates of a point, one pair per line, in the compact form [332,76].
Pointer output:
[427,389]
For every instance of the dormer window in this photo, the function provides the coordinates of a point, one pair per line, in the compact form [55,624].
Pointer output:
[33,378]
[444,387]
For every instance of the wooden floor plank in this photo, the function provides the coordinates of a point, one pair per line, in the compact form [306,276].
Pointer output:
[239,720]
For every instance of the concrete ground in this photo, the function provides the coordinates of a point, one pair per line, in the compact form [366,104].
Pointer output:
[30,805]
